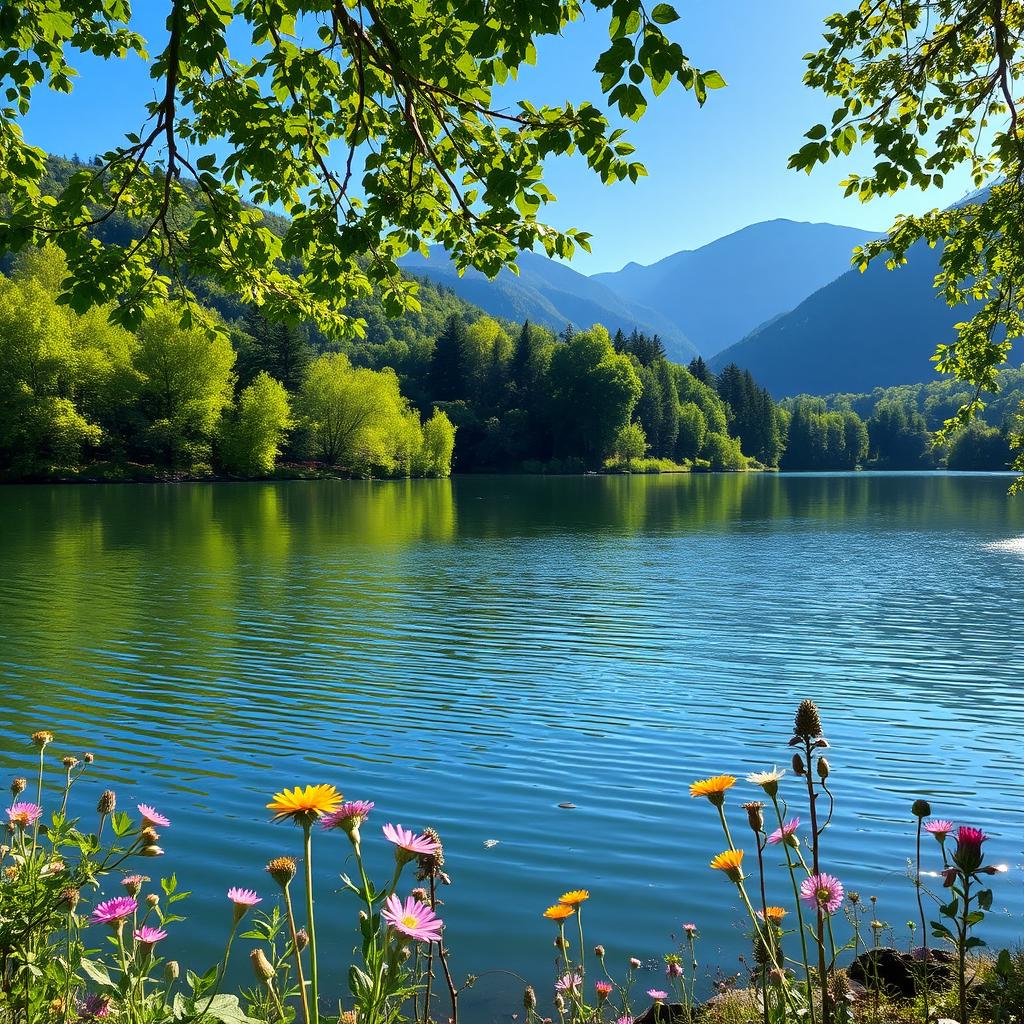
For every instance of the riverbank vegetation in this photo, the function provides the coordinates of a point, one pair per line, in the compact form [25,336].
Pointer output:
[71,952]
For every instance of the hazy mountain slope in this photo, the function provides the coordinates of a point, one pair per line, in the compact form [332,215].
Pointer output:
[719,293]
[550,293]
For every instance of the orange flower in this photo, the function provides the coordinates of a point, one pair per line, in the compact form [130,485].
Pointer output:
[775,914]
[713,788]
[731,862]
[575,897]
[304,805]
[559,912]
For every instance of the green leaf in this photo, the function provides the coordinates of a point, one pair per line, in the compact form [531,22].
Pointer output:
[664,14]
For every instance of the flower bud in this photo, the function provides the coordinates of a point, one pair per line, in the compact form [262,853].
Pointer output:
[107,802]
[152,900]
[88,758]
[798,765]
[149,834]
[171,970]
[301,940]
[599,952]
[921,808]
[529,998]
[561,943]
[261,966]
[821,743]
[635,963]
[152,851]
[755,815]
[823,768]
[18,787]
[949,876]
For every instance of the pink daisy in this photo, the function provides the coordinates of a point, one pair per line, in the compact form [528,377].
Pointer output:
[23,814]
[113,911]
[822,891]
[149,936]
[152,817]
[690,929]
[414,920]
[243,897]
[939,828]
[657,995]
[569,983]
[348,816]
[408,845]
[783,833]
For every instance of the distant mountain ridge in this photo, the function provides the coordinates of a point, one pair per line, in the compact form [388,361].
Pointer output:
[720,292]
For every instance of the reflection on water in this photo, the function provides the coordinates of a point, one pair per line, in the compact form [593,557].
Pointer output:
[473,653]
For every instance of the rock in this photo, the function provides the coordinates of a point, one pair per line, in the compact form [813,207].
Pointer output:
[899,974]
[663,1013]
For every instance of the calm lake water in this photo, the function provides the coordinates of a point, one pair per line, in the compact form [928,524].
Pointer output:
[473,653]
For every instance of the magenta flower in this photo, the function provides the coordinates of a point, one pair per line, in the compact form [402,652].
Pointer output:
[603,990]
[408,845]
[784,833]
[243,897]
[152,817]
[148,936]
[967,856]
[823,891]
[94,1007]
[625,1020]
[414,920]
[23,814]
[113,911]
[657,995]
[348,816]
[569,983]
[690,929]
[939,828]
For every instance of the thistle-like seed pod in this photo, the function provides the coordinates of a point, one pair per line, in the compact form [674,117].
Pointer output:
[70,897]
[798,765]
[430,864]
[921,808]
[107,802]
[529,998]
[823,768]
[18,786]
[282,870]
[261,966]
[69,762]
[43,738]
[808,722]
[755,814]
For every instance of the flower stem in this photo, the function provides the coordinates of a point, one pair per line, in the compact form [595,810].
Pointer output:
[290,910]
[308,841]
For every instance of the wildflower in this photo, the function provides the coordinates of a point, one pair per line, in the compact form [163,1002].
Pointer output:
[70,897]
[421,894]
[599,952]
[877,926]
[808,722]
[657,995]
[412,920]
[304,806]
[921,809]
[243,899]
[714,788]
[152,818]
[149,834]
[152,850]
[529,998]
[784,834]
[730,861]
[574,897]
[967,855]
[674,969]
[261,966]
[113,911]
[23,814]
[18,786]
[635,963]
[42,739]
[282,870]
[408,845]
[603,990]
[773,914]
[569,983]
[625,1020]
[133,883]
[148,937]
[107,802]
[69,762]
[94,1007]
[348,817]
[768,781]
[940,828]
[755,814]
[559,912]
[690,929]
[823,891]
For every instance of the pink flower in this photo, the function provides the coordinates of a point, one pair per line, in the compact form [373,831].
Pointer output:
[625,1020]
[408,845]
[113,911]
[657,995]
[149,936]
[348,816]
[967,856]
[690,929]
[939,828]
[414,920]
[634,962]
[133,883]
[94,1007]
[674,969]
[569,983]
[24,813]
[243,897]
[152,817]
[783,834]
[603,990]
[822,891]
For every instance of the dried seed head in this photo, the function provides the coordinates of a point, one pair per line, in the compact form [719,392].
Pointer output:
[853,897]
[43,738]
[301,940]
[172,970]
[429,864]
[18,786]
[798,765]
[69,762]
[755,814]
[282,870]
[149,834]
[560,1004]
[107,802]
[921,808]
[823,768]
[261,966]
[420,895]
[599,952]
[88,758]
[70,897]
[529,998]
[808,722]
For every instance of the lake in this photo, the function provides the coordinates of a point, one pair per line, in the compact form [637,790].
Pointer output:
[472,654]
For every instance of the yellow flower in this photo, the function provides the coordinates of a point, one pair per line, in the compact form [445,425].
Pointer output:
[304,805]
[774,913]
[713,788]
[731,862]
[575,897]
[559,912]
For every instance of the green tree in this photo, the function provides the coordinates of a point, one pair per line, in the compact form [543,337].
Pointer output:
[899,437]
[723,452]
[450,370]
[438,445]
[251,440]
[281,350]
[693,432]
[979,447]
[629,445]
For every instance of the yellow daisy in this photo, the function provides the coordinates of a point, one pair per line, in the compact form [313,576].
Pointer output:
[304,805]
[575,897]
[713,788]
[559,912]
[731,862]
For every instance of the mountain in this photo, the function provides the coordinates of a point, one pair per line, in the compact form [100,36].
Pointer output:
[550,293]
[719,293]
[860,332]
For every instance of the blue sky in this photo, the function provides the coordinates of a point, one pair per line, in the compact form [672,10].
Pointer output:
[712,170]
